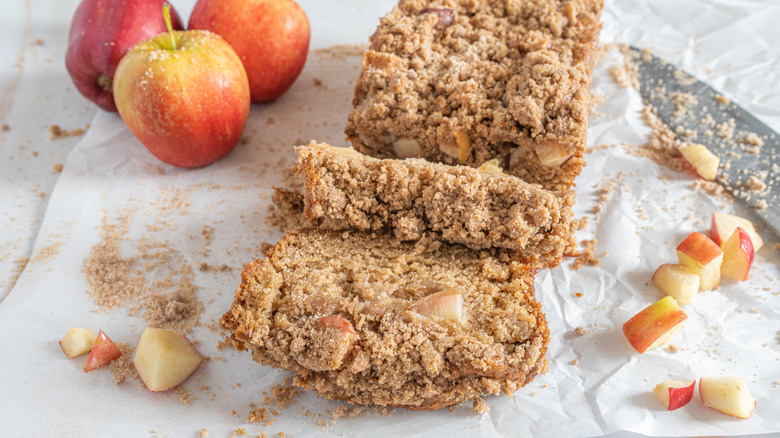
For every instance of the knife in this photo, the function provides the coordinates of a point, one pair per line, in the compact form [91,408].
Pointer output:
[659,80]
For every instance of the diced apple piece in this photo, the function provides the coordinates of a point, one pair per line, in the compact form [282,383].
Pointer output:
[703,162]
[445,304]
[103,352]
[703,256]
[678,281]
[723,226]
[164,358]
[675,394]
[655,325]
[737,256]
[336,322]
[729,395]
[77,342]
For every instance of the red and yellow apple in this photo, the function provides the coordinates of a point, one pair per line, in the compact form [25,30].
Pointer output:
[703,162]
[164,358]
[678,281]
[270,36]
[723,225]
[185,95]
[655,325]
[101,33]
[729,395]
[675,394]
[103,352]
[77,341]
[703,256]
[737,256]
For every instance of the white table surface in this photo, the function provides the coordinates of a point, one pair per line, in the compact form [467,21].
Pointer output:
[37,91]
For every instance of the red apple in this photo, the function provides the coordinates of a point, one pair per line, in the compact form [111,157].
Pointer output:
[737,256]
[655,325]
[729,395]
[185,96]
[678,281]
[103,352]
[723,226]
[101,33]
[703,256]
[675,394]
[270,36]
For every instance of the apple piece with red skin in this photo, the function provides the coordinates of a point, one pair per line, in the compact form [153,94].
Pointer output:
[78,341]
[270,36]
[185,96]
[678,281]
[101,33]
[729,395]
[675,394]
[703,162]
[655,325]
[723,225]
[164,358]
[703,256]
[103,352]
[445,304]
[737,256]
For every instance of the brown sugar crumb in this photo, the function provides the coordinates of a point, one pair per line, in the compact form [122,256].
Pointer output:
[582,331]
[587,256]
[204,433]
[480,405]
[58,167]
[122,367]
[57,132]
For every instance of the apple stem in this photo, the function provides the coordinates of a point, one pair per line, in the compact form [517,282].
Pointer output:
[167,16]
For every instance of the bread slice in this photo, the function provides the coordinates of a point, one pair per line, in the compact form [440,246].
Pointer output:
[464,82]
[370,320]
[480,208]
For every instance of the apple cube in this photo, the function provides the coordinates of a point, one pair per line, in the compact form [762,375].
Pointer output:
[703,162]
[77,342]
[703,256]
[729,395]
[336,322]
[446,304]
[723,226]
[678,281]
[655,325]
[103,352]
[675,394]
[737,255]
[164,358]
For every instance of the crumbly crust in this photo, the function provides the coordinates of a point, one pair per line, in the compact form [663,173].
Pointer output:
[457,204]
[386,353]
[465,81]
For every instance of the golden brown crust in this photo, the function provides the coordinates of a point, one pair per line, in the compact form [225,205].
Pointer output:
[367,283]
[494,79]
[457,204]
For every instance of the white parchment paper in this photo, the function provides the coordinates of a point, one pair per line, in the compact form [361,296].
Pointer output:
[646,210]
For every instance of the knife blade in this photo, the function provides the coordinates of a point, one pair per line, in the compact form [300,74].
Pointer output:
[708,118]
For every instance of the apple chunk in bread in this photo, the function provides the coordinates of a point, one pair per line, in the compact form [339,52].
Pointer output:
[655,325]
[737,256]
[164,358]
[703,162]
[723,225]
[703,256]
[729,395]
[678,281]
[77,341]
[675,394]
[103,352]
[446,304]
